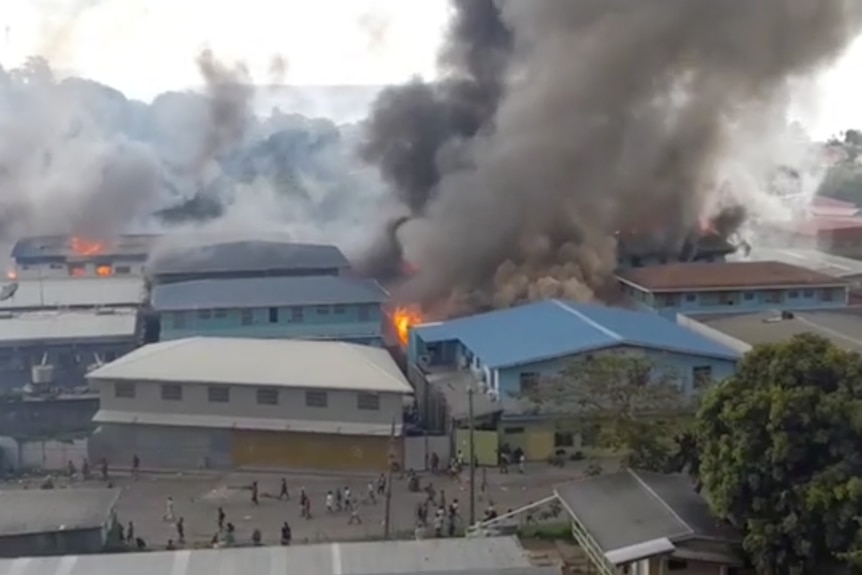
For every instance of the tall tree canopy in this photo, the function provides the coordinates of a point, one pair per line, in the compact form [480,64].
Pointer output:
[630,400]
[780,454]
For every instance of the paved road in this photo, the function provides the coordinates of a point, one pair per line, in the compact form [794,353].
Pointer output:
[197,498]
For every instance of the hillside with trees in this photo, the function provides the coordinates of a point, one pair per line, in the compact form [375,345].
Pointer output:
[843,181]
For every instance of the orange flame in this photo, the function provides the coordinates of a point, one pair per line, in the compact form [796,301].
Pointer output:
[403,318]
[103,271]
[83,247]
[706,226]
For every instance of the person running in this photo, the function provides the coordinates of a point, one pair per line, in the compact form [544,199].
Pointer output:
[355,519]
[330,502]
[284,495]
[372,497]
[181,531]
[169,510]
[221,517]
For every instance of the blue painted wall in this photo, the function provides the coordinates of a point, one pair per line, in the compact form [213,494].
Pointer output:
[676,365]
[506,381]
[744,301]
[357,323]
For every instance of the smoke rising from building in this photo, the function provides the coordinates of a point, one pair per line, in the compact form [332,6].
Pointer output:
[77,157]
[614,115]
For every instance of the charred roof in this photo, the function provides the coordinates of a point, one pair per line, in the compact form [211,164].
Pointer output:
[132,245]
[724,276]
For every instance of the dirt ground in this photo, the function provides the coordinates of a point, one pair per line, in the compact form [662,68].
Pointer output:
[197,498]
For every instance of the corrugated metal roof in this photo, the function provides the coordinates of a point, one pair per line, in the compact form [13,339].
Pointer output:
[266,292]
[630,508]
[261,362]
[26,511]
[67,325]
[230,422]
[245,256]
[844,329]
[490,556]
[553,328]
[724,276]
[75,292]
[815,260]
[42,246]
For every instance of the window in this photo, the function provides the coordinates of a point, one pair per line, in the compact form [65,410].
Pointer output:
[205,314]
[364,312]
[808,293]
[749,296]
[246,317]
[296,314]
[676,565]
[338,309]
[122,270]
[793,294]
[727,298]
[77,270]
[591,435]
[826,295]
[772,296]
[172,392]
[124,389]
[368,401]
[273,315]
[690,297]
[323,310]
[513,430]
[701,376]
[179,318]
[218,394]
[529,381]
[220,313]
[267,396]
[562,439]
[316,399]
[52,266]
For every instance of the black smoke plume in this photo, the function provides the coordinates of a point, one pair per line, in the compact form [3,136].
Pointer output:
[417,132]
[612,115]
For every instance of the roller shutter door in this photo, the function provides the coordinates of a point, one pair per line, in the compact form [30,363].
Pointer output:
[313,451]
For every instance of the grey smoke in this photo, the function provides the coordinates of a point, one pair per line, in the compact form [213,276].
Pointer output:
[78,157]
[615,115]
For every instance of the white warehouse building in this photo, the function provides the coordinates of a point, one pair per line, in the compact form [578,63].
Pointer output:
[253,403]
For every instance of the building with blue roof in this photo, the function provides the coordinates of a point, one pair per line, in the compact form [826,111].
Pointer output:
[507,350]
[306,307]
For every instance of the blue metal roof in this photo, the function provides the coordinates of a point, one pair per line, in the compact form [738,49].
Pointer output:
[265,292]
[550,329]
[248,256]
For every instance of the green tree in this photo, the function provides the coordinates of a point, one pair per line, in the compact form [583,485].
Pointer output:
[779,454]
[632,403]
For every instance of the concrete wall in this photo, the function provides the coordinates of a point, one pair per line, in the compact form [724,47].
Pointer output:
[161,447]
[341,405]
[49,455]
[418,450]
[360,323]
[737,301]
[70,360]
[118,266]
[77,542]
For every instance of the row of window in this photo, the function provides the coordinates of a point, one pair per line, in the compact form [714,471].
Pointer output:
[295,314]
[734,298]
[264,395]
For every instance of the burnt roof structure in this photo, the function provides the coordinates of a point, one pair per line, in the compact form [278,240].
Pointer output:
[243,257]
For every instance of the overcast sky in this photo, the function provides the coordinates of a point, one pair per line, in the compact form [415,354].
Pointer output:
[144,47]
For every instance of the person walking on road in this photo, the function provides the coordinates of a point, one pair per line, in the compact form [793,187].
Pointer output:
[284,495]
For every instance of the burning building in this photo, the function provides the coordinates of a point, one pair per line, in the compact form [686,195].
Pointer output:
[80,257]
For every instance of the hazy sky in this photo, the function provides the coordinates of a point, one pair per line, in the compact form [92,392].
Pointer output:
[144,47]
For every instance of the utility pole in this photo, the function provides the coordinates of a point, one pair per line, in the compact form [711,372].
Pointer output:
[392,461]
[470,392]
